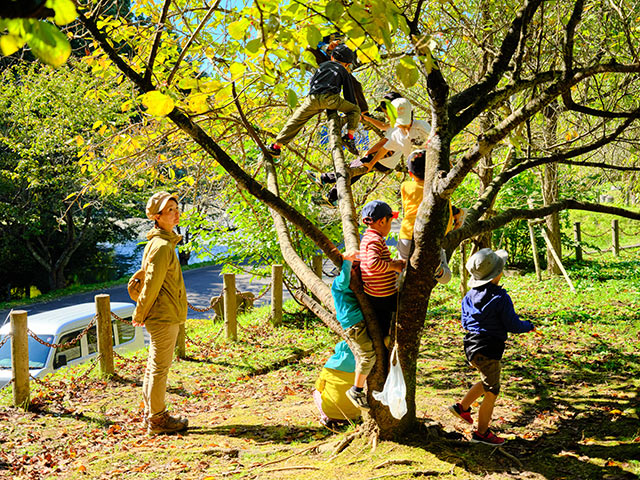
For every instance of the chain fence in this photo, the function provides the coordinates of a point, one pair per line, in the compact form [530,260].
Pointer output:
[636,234]
[5,340]
[66,344]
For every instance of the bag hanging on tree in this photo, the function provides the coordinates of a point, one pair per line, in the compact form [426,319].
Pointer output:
[394,392]
[134,287]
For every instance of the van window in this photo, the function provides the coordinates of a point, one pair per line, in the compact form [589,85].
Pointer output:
[71,352]
[38,353]
[92,339]
[126,331]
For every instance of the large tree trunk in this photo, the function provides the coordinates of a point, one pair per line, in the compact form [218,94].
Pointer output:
[550,192]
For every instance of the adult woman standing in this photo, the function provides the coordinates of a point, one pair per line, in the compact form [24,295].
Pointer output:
[161,308]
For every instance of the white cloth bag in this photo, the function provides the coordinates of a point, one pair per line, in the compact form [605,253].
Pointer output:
[394,392]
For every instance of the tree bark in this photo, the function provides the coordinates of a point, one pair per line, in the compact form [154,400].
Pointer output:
[550,191]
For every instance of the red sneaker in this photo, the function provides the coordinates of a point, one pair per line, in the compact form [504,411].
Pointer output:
[465,415]
[487,438]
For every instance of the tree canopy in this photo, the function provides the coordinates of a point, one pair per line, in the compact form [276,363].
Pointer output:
[213,83]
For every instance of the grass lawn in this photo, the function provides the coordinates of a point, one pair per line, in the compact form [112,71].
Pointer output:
[569,403]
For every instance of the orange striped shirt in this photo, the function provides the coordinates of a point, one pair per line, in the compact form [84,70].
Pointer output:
[378,279]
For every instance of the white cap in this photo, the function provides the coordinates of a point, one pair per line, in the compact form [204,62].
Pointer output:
[403,111]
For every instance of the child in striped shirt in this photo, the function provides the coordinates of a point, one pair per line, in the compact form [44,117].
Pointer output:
[379,272]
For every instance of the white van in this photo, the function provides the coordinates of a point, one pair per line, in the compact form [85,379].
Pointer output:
[62,325]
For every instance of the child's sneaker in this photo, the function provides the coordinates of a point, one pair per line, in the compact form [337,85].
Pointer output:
[487,438]
[274,150]
[465,415]
[350,144]
[359,399]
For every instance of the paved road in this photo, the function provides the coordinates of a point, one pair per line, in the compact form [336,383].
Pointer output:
[202,284]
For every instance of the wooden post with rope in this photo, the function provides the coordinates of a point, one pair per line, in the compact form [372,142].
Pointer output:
[230,309]
[615,237]
[20,359]
[577,236]
[104,330]
[276,295]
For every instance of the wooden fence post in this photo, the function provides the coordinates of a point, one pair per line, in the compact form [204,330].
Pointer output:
[276,295]
[230,308]
[104,330]
[20,359]
[534,249]
[181,342]
[615,237]
[317,265]
[577,236]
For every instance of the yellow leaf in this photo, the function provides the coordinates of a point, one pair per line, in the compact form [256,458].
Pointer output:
[79,140]
[157,103]
[65,11]
[9,44]
[126,106]
[237,70]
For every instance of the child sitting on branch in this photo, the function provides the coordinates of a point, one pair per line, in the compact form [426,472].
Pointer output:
[324,94]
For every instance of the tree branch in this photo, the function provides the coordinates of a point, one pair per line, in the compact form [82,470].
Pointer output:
[490,138]
[500,65]
[570,30]
[190,41]
[487,199]
[244,180]
[156,43]
[467,231]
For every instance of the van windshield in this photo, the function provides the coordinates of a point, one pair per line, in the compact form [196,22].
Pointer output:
[38,353]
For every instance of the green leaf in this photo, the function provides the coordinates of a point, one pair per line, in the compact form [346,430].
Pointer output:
[334,10]
[188,83]
[292,98]
[368,52]
[158,104]
[65,11]
[9,44]
[407,72]
[253,47]
[49,44]
[238,29]
[313,36]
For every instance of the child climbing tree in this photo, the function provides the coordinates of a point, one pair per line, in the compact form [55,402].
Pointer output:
[217,80]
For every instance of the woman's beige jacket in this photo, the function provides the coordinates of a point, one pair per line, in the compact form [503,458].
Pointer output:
[163,297]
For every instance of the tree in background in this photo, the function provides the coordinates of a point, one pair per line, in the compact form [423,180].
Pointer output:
[221,79]
[45,116]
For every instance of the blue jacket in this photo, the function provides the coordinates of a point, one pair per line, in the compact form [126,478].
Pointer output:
[348,310]
[488,310]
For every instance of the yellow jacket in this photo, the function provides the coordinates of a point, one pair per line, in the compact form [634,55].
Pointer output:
[163,297]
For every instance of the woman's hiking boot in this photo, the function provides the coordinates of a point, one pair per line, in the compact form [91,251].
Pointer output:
[165,423]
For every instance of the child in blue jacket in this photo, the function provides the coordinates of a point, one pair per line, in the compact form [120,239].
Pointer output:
[487,316]
[351,318]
